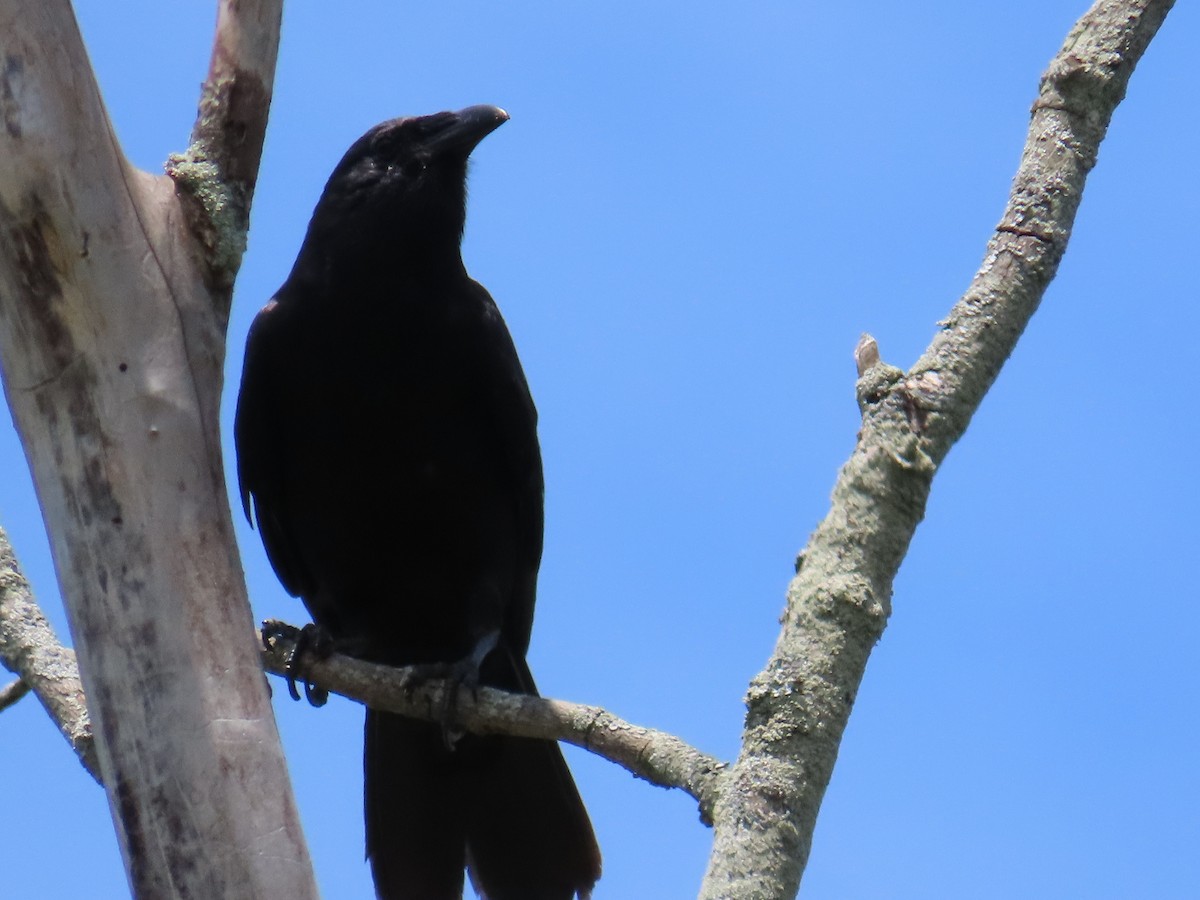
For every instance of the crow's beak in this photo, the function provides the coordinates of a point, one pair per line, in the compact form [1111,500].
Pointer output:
[465,129]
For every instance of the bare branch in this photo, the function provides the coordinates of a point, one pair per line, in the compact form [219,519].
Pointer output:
[839,602]
[658,757]
[29,649]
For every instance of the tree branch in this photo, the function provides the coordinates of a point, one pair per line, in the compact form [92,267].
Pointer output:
[839,602]
[30,650]
[216,174]
[660,758]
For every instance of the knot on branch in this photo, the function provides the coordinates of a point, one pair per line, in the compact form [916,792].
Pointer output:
[1087,88]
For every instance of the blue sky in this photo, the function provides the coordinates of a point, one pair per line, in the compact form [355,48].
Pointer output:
[693,214]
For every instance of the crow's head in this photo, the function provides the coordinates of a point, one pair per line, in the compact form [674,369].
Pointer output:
[404,181]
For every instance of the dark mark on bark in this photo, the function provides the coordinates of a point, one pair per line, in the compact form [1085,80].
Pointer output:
[28,242]
[130,820]
[914,411]
[10,83]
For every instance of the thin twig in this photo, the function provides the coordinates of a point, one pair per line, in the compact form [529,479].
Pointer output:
[13,692]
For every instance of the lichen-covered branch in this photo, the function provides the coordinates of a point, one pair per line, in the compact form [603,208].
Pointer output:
[656,756]
[29,649]
[217,172]
[839,602]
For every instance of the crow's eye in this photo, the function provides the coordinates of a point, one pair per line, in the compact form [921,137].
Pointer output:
[410,168]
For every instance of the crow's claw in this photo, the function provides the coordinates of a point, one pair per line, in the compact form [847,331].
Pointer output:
[274,629]
[315,640]
[458,675]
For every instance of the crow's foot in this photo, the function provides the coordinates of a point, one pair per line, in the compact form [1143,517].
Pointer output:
[310,640]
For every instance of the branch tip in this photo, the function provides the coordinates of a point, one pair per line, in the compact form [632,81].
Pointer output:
[13,692]
[866,354]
